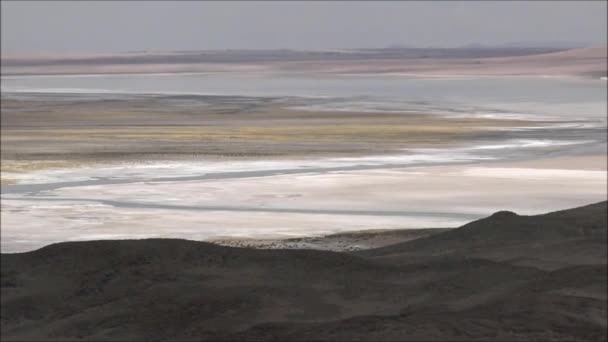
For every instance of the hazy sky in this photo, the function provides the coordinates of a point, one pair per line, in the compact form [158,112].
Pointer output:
[30,26]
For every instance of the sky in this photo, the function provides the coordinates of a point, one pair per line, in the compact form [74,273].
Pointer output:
[120,26]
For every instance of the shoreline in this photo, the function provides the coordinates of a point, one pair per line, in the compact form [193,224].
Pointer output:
[578,62]
[431,76]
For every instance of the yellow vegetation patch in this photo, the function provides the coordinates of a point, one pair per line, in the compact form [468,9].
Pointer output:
[280,133]
[11,168]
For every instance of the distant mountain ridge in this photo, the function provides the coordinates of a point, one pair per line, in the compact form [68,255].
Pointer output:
[247,55]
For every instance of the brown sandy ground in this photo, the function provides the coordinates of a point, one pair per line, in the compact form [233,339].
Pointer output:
[55,134]
[502,278]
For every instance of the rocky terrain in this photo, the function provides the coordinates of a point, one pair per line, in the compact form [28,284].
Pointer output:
[504,277]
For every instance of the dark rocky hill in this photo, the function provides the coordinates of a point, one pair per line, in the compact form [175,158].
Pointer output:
[505,277]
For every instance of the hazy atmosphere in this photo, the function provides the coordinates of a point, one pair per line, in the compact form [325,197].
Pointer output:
[304,171]
[113,26]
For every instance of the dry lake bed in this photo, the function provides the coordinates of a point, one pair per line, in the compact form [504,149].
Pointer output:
[261,157]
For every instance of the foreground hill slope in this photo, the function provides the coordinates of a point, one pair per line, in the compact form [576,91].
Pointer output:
[444,287]
[540,241]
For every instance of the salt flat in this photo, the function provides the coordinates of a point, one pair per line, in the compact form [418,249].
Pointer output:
[263,161]
[294,205]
